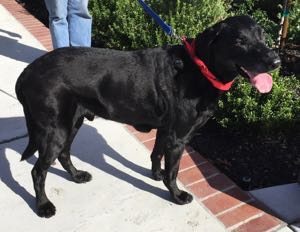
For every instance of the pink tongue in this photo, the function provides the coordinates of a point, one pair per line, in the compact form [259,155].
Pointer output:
[263,82]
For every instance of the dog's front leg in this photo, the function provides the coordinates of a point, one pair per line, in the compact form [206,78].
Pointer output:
[173,154]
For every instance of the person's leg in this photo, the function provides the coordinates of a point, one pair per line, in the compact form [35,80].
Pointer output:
[58,23]
[80,23]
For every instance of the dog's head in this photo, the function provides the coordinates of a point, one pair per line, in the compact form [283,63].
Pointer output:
[237,46]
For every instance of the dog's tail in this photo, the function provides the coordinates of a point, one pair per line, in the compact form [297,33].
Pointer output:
[31,146]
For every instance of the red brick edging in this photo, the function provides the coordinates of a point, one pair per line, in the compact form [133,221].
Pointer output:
[35,27]
[233,207]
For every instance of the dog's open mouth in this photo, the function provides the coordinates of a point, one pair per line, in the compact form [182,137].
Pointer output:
[261,81]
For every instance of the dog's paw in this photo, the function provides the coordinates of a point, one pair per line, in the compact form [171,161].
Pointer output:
[158,175]
[183,198]
[82,177]
[46,210]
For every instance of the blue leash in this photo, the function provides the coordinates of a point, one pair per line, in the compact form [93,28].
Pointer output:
[166,27]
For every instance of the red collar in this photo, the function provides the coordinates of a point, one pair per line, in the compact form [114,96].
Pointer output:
[190,48]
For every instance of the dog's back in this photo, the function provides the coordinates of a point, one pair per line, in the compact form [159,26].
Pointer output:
[110,82]
[117,85]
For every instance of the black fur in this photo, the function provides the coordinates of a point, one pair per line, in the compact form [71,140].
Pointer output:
[151,88]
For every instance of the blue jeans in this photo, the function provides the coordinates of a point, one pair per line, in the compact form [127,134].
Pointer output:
[70,23]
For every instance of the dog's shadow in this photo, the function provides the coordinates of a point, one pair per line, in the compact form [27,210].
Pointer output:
[93,152]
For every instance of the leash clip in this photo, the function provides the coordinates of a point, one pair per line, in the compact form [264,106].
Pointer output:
[174,35]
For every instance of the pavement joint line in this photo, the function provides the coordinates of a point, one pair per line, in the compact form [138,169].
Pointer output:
[234,207]
[13,139]
[276,228]
[203,179]
[245,221]
[197,181]
[8,94]
[218,192]
[192,166]
[147,140]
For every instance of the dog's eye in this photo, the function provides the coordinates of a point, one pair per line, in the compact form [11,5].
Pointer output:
[240,41]
[261,34]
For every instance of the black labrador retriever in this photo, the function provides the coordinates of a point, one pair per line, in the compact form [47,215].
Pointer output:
[159,88]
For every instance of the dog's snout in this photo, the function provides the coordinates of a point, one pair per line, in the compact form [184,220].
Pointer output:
[276,62]
[273,59]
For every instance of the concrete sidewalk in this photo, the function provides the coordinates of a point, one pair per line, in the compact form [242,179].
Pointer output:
[121,197]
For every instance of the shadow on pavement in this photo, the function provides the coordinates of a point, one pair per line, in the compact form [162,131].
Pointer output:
[17,50]
[89,147]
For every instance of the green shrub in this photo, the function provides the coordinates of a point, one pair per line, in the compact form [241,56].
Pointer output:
[252,8]
[244,107]
[294,23]
[268,13]
[124,25]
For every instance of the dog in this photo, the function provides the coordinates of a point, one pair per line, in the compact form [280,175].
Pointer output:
[160,88]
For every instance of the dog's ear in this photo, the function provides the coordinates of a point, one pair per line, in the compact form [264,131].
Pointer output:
[207,37]
[210,34]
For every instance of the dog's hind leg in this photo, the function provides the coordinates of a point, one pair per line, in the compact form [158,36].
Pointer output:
[65,159]
[51,145]
[157,155]
[31,146]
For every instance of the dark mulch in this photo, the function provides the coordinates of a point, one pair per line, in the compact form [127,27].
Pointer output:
[290,59]
[251,160]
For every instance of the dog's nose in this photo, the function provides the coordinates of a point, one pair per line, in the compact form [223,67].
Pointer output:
[273,59]
[276,63]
